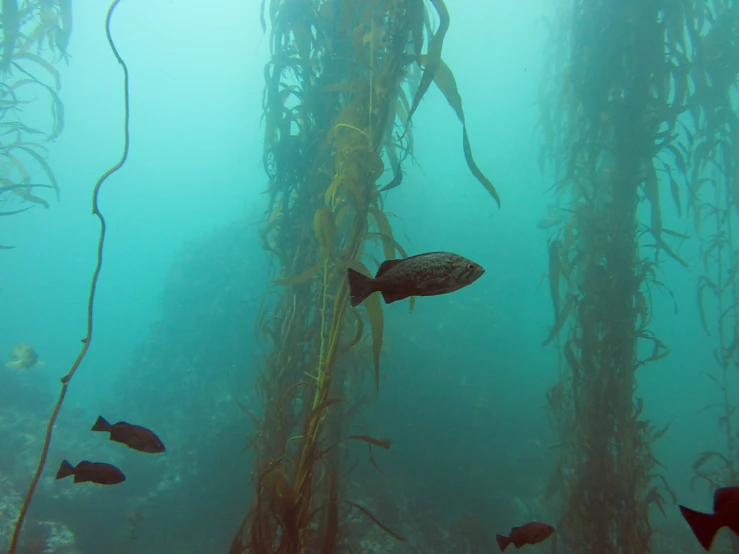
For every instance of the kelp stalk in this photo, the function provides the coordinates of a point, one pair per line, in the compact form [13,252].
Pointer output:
[607,122]
[714,202]
[337,110]
[91,297]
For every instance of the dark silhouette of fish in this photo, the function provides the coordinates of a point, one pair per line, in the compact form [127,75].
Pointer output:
[725,514]
[531,533]
[92,472]
[133,436]
[422,275]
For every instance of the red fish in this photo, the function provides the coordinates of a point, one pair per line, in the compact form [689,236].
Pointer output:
[725,514]
[92,472]
[422,275]
[531,533]
[133,436]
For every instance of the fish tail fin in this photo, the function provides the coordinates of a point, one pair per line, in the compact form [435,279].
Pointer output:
[704,526]
[503,542]
[101,425]
[360,286]
[65,470]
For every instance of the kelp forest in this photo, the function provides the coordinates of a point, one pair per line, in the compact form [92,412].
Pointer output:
[638,147]
[35,35]
[343,83]
[714,207]
[639,121]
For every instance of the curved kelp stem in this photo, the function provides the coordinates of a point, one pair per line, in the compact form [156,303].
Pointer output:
[88,339]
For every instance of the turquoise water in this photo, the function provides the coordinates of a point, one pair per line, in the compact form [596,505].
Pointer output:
[464,400]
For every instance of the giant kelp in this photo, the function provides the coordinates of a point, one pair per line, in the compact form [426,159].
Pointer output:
[35,35]
[714,204]
[610,120]
[344,80]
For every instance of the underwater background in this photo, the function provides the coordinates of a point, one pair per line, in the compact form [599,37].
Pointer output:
[466,386]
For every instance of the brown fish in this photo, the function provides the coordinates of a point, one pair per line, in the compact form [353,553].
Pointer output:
[531,533]
[133,436]
[92,472]
[725,514]
[422,275]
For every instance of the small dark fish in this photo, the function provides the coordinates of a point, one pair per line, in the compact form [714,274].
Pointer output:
[422,275]
[725,514]
[133,436]
[531,533]
[93,472]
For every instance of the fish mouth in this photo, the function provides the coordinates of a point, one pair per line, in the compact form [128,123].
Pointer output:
[477,274]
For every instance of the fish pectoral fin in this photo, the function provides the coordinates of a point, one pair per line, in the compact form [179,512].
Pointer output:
[440,286]
[15,364]
[39,364]
[390,296]
[436,282]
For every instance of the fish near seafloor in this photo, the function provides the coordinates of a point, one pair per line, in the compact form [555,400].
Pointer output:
[23,356]
[531,533]
[92,472]
[133,436]
[422,275]
[725,514]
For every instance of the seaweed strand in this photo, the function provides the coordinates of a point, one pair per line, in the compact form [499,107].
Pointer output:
[91,298]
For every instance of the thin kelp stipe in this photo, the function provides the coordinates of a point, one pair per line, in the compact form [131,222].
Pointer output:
[88,339]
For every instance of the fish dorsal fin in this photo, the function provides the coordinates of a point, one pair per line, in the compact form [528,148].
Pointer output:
[386,266]
[724,497]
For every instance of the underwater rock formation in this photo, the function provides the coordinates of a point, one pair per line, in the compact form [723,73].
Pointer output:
[42,537]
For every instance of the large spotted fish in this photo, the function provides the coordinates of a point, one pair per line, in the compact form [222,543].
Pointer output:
[422,275]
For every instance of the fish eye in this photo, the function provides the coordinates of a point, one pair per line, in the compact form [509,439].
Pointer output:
[471,267]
